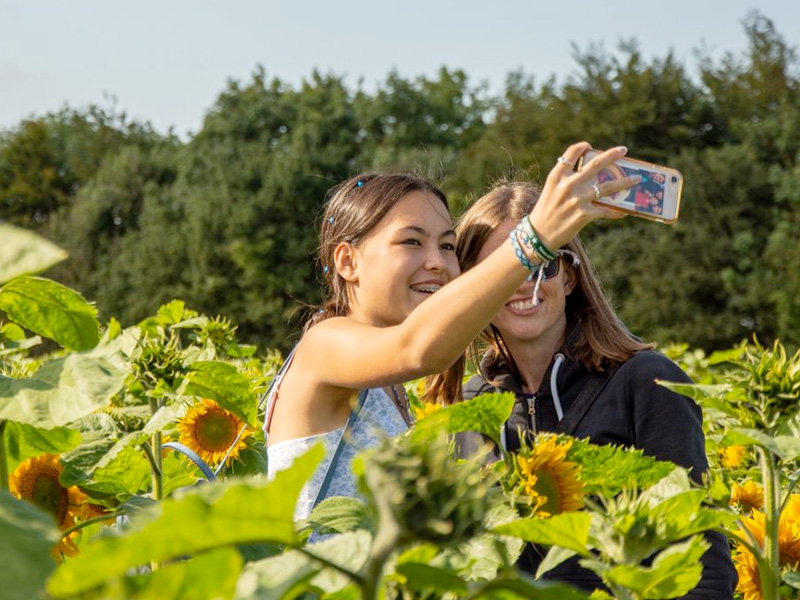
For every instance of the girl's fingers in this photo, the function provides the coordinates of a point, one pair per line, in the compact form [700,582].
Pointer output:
[609,188]
[598,163]
[567,161]
[598,212]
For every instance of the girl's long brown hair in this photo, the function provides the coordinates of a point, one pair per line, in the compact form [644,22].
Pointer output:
[604,342]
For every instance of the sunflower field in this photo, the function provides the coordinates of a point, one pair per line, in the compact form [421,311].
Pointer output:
[132,466]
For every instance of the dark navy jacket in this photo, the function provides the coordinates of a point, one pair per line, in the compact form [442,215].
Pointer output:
[628,408]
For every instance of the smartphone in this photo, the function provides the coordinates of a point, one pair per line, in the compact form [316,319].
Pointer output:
[656,197]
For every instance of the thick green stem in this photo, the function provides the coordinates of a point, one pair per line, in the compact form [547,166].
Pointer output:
[768,565]
[156,465]
[387,538]
[155,471]
[91,521]
[3,458]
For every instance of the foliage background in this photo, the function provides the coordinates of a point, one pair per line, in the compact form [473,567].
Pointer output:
[228,218]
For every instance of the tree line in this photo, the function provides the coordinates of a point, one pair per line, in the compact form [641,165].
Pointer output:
[227,220]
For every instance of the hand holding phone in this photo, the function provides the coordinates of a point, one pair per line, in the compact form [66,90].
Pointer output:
[657,197]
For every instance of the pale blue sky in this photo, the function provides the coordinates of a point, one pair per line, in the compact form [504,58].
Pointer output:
[166,61]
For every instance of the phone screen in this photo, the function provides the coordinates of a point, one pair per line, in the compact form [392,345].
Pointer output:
[646,196]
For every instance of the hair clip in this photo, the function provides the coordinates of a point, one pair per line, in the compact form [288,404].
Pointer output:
[360,183]
[325,269]
[331,220]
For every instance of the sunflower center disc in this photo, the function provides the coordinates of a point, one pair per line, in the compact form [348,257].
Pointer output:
[215,431]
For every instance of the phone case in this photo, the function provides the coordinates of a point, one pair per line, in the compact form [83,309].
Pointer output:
[657,197]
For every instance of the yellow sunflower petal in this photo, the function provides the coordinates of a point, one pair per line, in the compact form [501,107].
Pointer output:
[749,581]
[748,497]
[732,456]
[427,408]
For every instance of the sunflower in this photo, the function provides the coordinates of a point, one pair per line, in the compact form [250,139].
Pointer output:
[749,580]
[747,497]
[36,480]
[549,480]
[788,546]
[732,457]
[788,531]
[211,431]
[425,409]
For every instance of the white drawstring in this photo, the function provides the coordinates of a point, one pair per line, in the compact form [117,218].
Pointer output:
[554,387]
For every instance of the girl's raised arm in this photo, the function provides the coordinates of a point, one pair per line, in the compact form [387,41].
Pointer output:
[351,353]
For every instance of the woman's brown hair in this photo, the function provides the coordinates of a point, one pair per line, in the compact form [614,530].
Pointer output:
[603,340]
[353,210]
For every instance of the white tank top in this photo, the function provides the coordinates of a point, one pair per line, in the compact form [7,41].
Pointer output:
[376,417]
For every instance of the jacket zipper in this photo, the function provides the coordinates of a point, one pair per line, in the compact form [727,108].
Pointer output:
[531,400]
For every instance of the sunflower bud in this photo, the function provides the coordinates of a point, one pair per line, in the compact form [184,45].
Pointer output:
[430,495]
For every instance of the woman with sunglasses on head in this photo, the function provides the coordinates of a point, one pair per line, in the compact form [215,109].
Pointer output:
[575,369]
[395,310]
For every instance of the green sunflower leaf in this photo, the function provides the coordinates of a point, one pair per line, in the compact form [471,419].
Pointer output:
[26,536]
[524,588]
[209,575]
[610,469]
[675,572]
[26,441]
[485,414]
[223,383]
[422,577]
[61,391]
[51,310]
[786,447]
[567,530]
[25,253]
[289,574]
[214,515]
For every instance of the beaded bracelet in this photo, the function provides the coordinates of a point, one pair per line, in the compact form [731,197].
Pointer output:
[533,241]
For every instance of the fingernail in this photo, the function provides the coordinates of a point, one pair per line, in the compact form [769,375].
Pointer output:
[636,178]
[622,149]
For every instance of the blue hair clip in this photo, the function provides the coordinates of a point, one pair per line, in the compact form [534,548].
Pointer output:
[325,269]
[360,183]
[330,220]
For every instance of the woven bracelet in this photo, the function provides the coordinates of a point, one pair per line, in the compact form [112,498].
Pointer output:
[524,261]
[528,243]
[534,242]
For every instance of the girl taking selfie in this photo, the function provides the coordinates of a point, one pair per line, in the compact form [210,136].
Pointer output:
[395,309]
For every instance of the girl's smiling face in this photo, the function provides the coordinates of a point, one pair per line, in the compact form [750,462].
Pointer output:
[407,257]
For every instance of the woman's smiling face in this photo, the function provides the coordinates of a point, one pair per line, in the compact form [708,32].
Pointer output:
[519,319]
[407,257]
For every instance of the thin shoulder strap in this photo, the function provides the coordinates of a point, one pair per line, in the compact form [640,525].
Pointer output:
[271,397]
[323,490]
[583,402]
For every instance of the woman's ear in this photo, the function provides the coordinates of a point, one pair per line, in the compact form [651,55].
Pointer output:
[345,262]
[570,279]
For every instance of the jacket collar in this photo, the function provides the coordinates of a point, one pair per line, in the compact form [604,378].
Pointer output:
[501,374]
